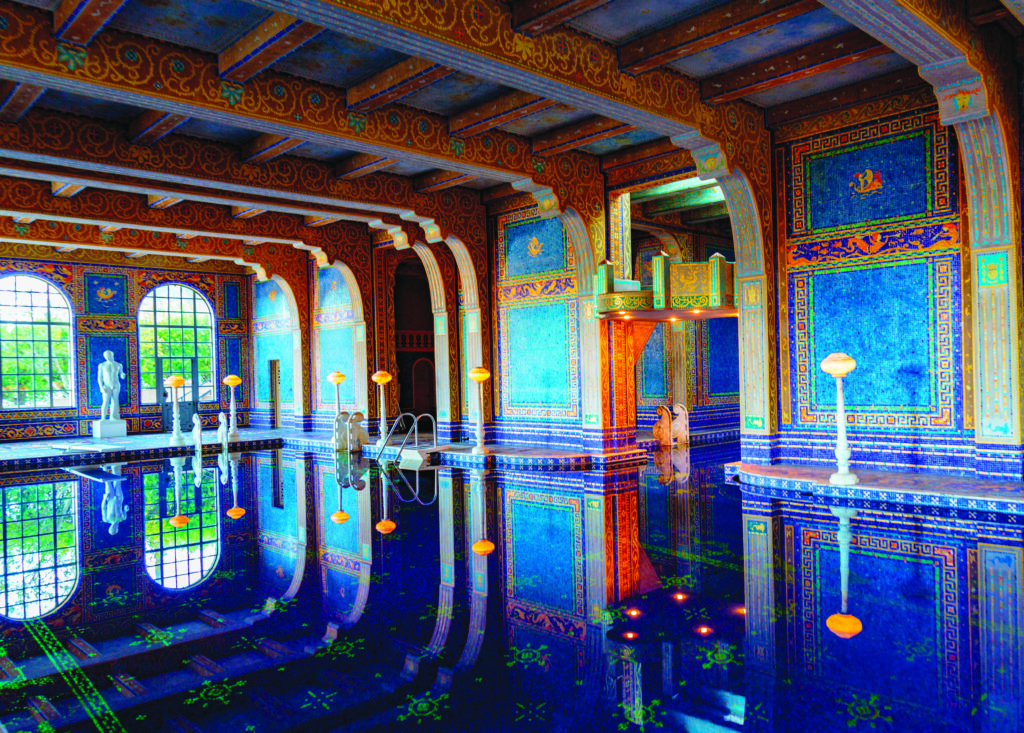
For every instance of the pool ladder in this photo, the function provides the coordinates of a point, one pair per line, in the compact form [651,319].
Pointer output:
[413,457]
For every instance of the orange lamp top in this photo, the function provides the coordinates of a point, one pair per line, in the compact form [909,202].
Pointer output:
[179,521]
[232,380]
[386,526]
[483,547]
[844,625]
[479,374]
[236,512]
[339,517]
[381,377]
[175,380]
[335,377]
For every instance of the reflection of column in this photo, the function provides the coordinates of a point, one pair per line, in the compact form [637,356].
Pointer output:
[763,591]
[1000,629]
[843,624]
[476,512]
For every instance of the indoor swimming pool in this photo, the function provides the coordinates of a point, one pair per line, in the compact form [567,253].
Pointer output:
[284,590]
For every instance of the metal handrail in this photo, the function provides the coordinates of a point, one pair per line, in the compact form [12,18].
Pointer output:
[415,492]
[394,426]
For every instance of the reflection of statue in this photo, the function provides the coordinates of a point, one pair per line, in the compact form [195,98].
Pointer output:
[357,435]
[113,509]
[108,373]
[222,430]
[197,432]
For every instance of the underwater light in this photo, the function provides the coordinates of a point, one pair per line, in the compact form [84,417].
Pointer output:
[629,635]
[704,630]
[634,612]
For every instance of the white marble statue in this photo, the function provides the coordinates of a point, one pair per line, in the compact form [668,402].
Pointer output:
[113,508]
[341,431]
[197,432]
[109,373]
[222,467]
[680,425]
[357,435]
[663,427]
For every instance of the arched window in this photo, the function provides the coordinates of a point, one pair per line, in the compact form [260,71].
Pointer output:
[181,557]
[176,327]
[39,553]
[35,345]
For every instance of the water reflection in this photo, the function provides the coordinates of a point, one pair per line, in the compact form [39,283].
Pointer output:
[660,597]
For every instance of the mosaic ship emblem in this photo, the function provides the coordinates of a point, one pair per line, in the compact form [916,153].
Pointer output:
[534,247]
[867,182]
[105,293]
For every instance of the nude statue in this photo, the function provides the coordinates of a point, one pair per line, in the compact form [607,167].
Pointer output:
[108,373]
[357,435]
[113,508]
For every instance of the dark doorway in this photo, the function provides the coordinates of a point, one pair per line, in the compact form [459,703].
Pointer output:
[275,393]
[414,339]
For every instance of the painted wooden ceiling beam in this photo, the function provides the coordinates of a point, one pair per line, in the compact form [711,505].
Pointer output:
[394,83]
[362,164]
[270,41]
[133,226]
[440,180]
[309,110]
[17,99]
[825,55]
[533,17]
[862,91]
[704,213]
[78,21]
[683,202]
[246,212]
[268,146]
[64,189]
[501,111]
[152,125]
[577,135]
[158,201]
[710,28]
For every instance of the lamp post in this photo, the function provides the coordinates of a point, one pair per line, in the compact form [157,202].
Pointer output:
[179,520]
[336,378]
[839,365]
[480,375]
[174,382]
[340,516]
[843,624]
[380,379]
[232,381]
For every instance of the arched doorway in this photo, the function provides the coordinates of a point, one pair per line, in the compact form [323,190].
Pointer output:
[414,338]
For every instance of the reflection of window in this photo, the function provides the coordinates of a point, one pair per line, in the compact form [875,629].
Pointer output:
[38,548]
[35,345]
[181,557]
[175,321]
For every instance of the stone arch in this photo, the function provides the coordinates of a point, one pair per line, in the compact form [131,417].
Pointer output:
[298,354]
[473,332]
[442,337]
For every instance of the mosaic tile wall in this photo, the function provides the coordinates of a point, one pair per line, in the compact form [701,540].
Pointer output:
[870,265]
[105,301]
[538,375]
[333,344]
[272,340]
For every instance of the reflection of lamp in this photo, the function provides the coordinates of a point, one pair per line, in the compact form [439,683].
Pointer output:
[179,520]
[235,512]
[232,381]
[174,382]
[380,379]
[385,525]
[340,516]
[842,624]
[480,375]
[839,365]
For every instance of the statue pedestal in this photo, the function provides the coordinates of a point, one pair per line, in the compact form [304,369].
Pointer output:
[109,428]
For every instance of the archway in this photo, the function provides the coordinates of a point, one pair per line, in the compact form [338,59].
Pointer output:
[414,330]
[277,351]
[339,343]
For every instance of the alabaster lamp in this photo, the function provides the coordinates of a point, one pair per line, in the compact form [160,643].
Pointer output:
[336,378]
[844,624]
[380,379]
[232,381]
[175,381]
[480,375]
[839,365]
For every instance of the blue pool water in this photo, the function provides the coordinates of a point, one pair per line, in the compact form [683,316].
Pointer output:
[654,598]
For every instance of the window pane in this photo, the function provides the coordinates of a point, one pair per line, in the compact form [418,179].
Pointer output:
[167,318]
